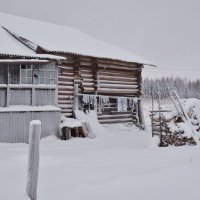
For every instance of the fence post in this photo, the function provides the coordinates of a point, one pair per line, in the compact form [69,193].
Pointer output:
[33,159]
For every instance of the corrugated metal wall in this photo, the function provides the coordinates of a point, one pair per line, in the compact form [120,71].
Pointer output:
[14,126]
[20,96]
[44,97]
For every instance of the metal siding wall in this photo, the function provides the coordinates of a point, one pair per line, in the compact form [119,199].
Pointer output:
[20,97]
[44,97]
[14,126]
[2,97]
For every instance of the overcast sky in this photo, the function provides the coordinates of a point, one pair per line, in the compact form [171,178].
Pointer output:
[166,32]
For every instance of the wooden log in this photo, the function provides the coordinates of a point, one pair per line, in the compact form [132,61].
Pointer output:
[115,116]
[121,74]
[121,91]
[105,121]
[65,87]
[119,86]
[64,78]
[118,82]
[118,63]
[67,93]
[118,67]
[122,78]
[70,83]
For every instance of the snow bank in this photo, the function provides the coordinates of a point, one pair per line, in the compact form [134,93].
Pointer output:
[154,142]
[92,122]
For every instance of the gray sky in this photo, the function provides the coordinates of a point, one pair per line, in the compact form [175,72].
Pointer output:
[166,32]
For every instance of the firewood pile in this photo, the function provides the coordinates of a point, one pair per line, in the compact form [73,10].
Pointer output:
[177,127]
[169,129]
[174,135]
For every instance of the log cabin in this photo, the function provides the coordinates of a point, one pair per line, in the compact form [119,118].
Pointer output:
[92,69]
[28,91]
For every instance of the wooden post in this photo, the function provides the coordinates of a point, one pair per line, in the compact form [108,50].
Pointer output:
[152,113]
[33,159]
[160,124]
[95,75]
[75,96]
[140,113]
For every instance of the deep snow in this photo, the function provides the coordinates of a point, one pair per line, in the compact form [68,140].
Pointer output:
[118,164]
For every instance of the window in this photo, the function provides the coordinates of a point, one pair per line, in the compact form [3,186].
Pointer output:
[14,74]
[26,74]
[38,74]
[3,74]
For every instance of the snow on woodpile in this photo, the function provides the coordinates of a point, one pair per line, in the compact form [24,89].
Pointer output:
[177,131]
[64,39]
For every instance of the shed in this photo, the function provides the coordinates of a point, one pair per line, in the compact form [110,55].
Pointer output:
[28,90]
[111,77]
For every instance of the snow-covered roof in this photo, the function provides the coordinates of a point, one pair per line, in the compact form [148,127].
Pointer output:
[58,38]
[12,47]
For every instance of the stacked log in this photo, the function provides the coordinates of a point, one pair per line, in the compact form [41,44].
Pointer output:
[167,135]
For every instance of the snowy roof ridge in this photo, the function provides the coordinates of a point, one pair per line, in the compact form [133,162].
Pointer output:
[26,42]
[11,47]
[59,38]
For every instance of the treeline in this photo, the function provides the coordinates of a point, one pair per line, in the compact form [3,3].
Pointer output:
[163,86]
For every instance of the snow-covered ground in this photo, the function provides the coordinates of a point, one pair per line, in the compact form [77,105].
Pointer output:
[118,164]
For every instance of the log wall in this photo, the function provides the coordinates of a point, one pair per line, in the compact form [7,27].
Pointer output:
[102,77]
